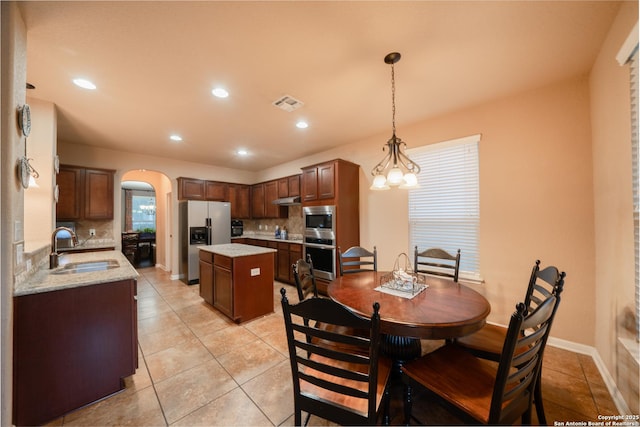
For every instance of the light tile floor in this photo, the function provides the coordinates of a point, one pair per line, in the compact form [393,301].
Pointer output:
[197,368]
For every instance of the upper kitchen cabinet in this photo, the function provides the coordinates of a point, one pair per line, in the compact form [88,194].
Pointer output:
[289,186]
[84,193]
[98,199]
[240,199]
[325,183]
[257,201]
[191,189]
[200,189]
[70,198]
[262,196]
[216,191]
[271,194]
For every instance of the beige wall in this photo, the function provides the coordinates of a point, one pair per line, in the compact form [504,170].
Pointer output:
[614,273]
[39,212]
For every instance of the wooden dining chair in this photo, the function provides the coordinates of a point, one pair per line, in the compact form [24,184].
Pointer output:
[304,278]
[130,247]
[487,342]
[329,381]
[357,259]
[479,390]
[438,262]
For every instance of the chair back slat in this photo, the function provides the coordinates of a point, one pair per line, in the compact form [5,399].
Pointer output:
[304,278]
[438,262]
[521,359]
[330,379]
[357,259]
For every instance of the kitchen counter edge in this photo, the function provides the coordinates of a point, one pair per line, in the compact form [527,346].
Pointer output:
[234,250]
[45,281]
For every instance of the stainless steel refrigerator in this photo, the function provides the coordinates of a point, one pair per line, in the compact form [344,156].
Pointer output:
[201,223]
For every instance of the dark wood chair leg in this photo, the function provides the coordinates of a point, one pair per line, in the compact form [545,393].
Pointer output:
[537,400]
[386,419]
[408,403]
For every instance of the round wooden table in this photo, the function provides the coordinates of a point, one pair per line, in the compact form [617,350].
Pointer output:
[444,310]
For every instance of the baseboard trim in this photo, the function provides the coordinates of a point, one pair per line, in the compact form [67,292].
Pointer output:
[618,400]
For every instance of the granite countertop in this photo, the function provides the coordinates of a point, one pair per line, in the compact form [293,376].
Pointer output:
[44,281]
[234,250]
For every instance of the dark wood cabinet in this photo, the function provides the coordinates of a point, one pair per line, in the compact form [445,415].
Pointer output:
[216,191]
[206,276]
[309,184]
[72,347]
[257,201]
[289,186]
[70,188]
[271,194]
[288,253]
[294,185]
[240,199]
[98,194]
[190,189]
[223,285]
[326,181]
[84,193]
[283,187]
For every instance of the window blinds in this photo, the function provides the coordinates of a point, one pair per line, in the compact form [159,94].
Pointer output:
[445,211]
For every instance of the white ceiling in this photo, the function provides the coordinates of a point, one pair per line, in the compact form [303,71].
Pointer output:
[155,64]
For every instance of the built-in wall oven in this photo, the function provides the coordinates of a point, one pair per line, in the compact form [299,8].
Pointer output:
[320,239]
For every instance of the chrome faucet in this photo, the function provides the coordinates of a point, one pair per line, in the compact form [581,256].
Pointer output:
[53,256]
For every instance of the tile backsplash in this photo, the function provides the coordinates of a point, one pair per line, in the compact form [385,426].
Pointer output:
[293,223]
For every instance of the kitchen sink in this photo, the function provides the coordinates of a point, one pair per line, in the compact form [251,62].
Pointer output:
[87,266]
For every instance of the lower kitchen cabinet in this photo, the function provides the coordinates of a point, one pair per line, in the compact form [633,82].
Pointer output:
[206,276]
[223,286]
[72,347]
[288,254]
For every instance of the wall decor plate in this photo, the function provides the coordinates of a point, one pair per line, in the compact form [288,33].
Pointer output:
[24,118]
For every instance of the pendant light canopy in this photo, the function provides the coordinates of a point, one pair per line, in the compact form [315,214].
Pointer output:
[395,169]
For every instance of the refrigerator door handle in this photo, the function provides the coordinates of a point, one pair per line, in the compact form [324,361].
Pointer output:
[209,233]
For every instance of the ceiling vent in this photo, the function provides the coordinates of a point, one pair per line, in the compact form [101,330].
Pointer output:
[288,103]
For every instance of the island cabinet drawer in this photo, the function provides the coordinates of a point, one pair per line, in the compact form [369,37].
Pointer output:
[206,256]
[222,261]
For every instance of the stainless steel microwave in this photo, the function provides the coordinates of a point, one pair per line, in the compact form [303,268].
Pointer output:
[319,222]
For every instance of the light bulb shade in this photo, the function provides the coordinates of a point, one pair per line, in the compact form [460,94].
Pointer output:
[379,183]
[410,181]
[32,182]
[395,176]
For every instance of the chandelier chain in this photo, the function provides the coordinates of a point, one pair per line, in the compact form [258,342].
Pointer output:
[393,100]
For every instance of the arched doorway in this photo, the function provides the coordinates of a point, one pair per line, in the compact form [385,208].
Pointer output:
[149,192]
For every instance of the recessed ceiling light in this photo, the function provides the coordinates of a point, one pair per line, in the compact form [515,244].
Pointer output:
[242,152]
[85,84]
[220,92]
[302,124]
[175,138]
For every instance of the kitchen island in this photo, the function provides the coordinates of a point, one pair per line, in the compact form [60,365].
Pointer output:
[237,279]
[75,335]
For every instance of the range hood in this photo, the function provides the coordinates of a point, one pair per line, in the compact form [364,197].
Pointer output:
[287,201]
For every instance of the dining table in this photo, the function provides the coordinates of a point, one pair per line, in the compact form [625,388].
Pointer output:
[444,309]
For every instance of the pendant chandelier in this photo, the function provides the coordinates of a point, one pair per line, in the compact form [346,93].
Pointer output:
[395,169]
